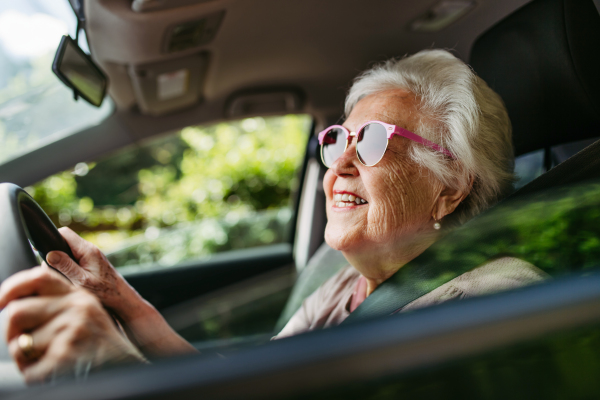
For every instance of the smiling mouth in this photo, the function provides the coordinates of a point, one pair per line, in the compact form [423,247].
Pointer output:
[342,200]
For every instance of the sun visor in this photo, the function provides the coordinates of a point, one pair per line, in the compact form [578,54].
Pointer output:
[170,85]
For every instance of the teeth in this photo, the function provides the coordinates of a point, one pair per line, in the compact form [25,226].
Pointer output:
[347,200]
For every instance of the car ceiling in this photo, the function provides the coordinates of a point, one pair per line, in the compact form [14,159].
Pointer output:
[313,47]
[310,48]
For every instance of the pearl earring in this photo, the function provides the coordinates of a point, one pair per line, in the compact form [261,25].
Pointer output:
[436,225]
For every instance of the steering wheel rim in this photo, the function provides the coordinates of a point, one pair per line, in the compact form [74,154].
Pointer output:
[22,221]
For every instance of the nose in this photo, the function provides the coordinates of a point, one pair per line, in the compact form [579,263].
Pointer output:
[346,164]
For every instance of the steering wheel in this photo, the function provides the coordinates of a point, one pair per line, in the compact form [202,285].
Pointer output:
[22,221]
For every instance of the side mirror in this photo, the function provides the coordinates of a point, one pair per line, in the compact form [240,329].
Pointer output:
[77,70]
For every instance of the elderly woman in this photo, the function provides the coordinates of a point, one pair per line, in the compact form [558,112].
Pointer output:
[426,145]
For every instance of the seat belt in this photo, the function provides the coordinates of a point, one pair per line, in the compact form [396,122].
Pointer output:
[456,254]
[324,264]
[412,281]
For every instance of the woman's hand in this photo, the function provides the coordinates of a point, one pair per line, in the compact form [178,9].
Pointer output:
[142,322]
[68,327]
[95,273]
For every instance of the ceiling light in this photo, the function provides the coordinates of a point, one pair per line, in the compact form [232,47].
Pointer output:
[441,15]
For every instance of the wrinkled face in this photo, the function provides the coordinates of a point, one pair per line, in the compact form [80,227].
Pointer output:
[398,196]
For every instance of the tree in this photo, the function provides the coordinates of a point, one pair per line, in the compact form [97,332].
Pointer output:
[219,187]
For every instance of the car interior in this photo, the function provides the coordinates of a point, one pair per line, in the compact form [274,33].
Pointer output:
[266,58]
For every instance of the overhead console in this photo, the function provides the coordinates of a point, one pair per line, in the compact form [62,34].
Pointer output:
[169,85]
[192,34]
[176,83]
[155,52]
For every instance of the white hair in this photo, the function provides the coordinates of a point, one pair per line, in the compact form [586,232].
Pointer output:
[458,111]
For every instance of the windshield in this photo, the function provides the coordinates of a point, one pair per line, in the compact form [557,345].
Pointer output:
[35,107]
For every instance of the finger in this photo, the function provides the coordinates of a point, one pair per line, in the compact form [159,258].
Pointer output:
[67,324]
[62,356]
[62,262]
[40,341]
[68,339]
[77,314]
[41,338]
[25,315]
[53,363]
[34,281]
[18,355]
[79,246]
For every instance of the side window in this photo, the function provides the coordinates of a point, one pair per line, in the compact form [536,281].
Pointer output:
[35,107]
[528,167]
[531,165]
[196,192]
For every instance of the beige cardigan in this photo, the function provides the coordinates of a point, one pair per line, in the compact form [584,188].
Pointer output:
[328,305]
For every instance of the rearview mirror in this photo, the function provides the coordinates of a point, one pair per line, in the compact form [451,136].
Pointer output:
[77,70]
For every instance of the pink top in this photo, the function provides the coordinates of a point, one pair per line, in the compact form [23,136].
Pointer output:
[328,306]
[360,293]
[331,303]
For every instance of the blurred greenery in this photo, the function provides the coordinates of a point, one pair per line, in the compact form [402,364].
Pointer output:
[186,195]
[556,230]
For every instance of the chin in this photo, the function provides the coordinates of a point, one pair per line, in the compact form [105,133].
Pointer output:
[338,241]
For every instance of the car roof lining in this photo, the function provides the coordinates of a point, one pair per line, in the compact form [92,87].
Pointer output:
[269,43]
[243,63]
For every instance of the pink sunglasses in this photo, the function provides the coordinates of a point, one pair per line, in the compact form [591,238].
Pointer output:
[371,142]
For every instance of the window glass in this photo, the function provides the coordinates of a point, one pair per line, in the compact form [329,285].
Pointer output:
[528,167]
[184,196]
[562,152]
[35,107]
[563,365]
[531,165]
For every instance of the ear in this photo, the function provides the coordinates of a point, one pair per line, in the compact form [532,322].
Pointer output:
[449,199]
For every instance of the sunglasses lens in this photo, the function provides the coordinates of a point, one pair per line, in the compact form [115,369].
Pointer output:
[371,144]
[334,144]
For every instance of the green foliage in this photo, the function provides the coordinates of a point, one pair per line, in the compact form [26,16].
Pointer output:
[556,230]
[247,165]
[199,191]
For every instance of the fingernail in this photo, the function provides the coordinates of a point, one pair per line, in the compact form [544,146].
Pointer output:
[53,258]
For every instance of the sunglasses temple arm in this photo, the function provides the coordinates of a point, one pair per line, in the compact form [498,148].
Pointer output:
[414,137]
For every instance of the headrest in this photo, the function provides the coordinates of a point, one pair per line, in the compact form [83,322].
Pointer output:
[544,60]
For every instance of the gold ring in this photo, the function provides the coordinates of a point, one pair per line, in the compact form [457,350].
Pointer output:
[25,342]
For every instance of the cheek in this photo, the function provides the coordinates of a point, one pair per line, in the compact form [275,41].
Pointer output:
[404,200]
[391,205]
